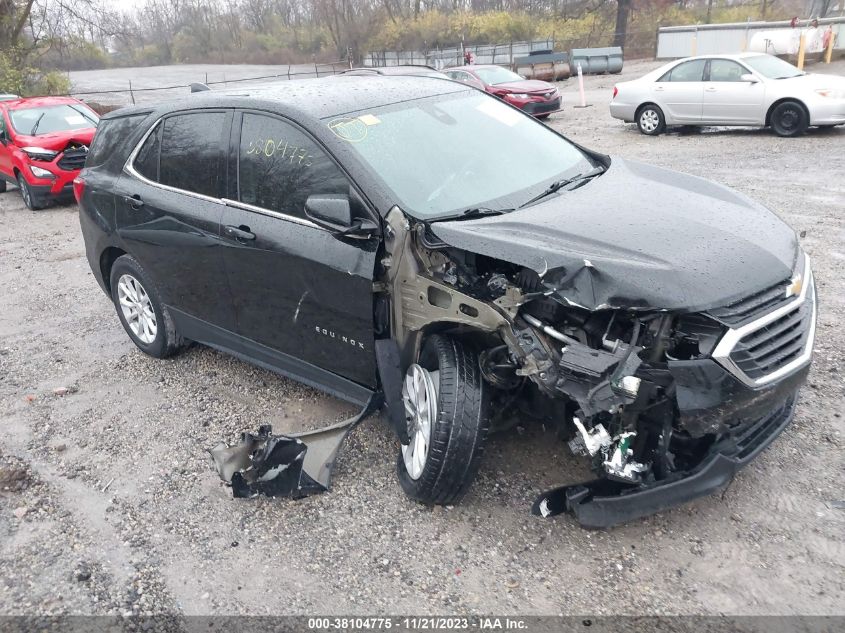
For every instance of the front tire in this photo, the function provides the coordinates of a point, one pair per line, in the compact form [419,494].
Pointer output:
[140,309]
[446,405]
[26,193]
[789,119]
[650,120]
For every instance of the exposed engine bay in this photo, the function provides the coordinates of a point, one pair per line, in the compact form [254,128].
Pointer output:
[604,378]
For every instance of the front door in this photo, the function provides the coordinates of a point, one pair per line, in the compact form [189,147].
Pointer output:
[169,204]
[730,100]
[6,170]
[298,290]
[679,92]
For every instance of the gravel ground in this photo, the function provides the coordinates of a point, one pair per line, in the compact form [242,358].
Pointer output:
[109,504]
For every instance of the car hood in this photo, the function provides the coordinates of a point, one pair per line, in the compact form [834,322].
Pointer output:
[639,237]
[529,85]
[56,141]
[811,81]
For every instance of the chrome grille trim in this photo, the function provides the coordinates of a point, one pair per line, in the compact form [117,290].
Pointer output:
[725,347]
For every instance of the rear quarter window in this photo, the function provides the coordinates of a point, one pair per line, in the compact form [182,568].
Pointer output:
[110,132]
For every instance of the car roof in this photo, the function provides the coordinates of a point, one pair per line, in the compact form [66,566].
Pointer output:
[34,102]
[321,98]
[723,56]
[402,69]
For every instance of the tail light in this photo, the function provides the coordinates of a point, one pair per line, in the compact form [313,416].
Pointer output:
[615,92]
[78,188]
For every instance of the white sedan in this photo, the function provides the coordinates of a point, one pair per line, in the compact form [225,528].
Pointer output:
[751,89]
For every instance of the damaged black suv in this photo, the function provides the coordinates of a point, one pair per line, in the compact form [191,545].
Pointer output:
[417,243]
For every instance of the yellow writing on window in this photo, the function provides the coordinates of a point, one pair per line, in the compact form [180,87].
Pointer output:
[281,150]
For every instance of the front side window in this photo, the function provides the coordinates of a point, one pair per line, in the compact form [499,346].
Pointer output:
[442,155]
[688,71]
[279,166]
[57,118]
[191,156]
[725,70]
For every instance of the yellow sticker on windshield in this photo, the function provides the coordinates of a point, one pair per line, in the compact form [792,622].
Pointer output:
[369,119]
[352,130]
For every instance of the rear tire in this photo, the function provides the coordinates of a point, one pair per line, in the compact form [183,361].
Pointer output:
[140,309]
[458,424]
[26,193]
[650,120]
[789,119]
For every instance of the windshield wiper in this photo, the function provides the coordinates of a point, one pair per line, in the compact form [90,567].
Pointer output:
[560,184]
[37,123]
[83,114]
[472,212]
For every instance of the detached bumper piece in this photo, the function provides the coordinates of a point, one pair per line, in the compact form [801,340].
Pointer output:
[602,503]
[542,107]
[285,465]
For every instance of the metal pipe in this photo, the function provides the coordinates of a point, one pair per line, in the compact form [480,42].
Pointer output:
[560,336]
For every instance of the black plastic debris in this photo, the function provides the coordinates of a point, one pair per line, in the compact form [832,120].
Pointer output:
[284,465]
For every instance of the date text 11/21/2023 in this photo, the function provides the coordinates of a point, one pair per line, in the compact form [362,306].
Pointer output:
[417,623]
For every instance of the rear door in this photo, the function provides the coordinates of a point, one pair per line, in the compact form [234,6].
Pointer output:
[730,100]
[679,92]
[169,204]
[299,291]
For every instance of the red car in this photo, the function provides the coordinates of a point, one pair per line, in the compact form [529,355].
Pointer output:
[538,98]
[43,145]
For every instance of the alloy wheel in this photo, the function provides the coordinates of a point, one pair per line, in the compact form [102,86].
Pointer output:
[137,308]
[419,393]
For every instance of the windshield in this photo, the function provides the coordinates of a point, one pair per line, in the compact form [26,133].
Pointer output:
[493,76]
[772,67]
[440,155]
[47,119]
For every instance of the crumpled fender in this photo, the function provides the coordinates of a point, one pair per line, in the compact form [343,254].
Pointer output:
[293,466]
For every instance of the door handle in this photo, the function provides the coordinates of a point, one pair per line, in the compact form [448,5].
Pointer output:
[135,201]
[658,88]
[710,89]
[240,233]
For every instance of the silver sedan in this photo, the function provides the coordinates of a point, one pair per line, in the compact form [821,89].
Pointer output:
[750,89]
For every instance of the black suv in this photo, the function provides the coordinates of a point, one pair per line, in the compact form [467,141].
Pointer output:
[422,241]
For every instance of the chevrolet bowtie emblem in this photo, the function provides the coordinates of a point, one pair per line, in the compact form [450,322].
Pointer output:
[794,287]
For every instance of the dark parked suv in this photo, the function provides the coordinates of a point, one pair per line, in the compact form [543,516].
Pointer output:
[415,240]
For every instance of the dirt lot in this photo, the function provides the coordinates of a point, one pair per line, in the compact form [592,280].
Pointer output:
[109,504]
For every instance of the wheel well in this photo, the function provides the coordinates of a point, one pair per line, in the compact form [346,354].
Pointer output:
[107,259]
[643,105]
[784,100]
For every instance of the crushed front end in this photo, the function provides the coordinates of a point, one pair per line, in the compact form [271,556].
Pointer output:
[666,405]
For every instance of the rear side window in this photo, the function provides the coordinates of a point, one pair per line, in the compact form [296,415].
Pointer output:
[146,161]
[688,71]
[279,166]
[191,155]
[110,132]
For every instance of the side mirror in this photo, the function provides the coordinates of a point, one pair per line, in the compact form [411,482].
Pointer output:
[334,213]
[749,78]
[329,211]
